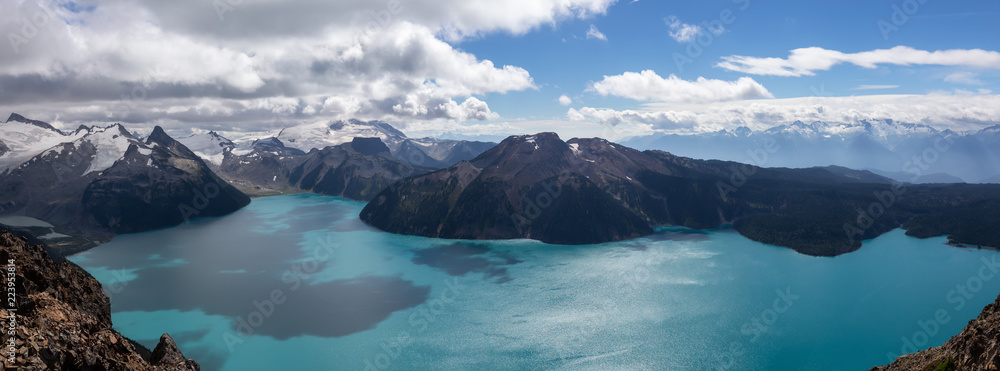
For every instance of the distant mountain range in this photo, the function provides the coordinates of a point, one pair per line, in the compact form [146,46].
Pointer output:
[353,159]
[917,153]
[586,191]
[95,182]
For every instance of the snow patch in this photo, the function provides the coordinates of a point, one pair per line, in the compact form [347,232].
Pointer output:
[111,147]
[208,146]
[575,147]
[26,141]
[320,135]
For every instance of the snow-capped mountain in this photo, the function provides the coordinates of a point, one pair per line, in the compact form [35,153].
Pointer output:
[100,181]
[22,139]
[346,156]
[210,146]
[324,134]
[883,145]
[424,152]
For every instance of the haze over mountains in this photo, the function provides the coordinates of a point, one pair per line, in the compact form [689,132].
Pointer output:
[352,158]
[884,146]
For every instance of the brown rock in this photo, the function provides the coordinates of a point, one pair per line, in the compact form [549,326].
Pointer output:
[976,348]
[64,318]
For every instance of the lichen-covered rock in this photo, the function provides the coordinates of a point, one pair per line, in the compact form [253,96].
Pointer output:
[63,318]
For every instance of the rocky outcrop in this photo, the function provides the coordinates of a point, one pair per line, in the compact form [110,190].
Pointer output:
[976,348]
[63,319]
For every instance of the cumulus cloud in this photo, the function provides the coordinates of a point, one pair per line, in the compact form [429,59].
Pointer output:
[958,111]
[806,61]
[649,86]
[565,100]
[680,31]
[594,33]
[153,61]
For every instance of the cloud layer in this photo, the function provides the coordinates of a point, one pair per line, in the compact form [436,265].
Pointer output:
[806,61]
[957,111]
[649,86]
[203,61]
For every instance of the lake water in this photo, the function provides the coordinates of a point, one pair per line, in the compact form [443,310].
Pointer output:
[299,283]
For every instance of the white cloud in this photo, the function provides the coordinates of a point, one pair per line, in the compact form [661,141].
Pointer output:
[966,78]
[806,61]
[958,111]
[564,100]
[680,31]
[875,87]
[594,33]
[648,86]
[338,58]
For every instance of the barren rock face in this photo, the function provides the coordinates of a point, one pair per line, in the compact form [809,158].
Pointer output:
[63,318]
[976,348]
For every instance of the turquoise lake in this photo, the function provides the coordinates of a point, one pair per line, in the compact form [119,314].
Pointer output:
[300,283]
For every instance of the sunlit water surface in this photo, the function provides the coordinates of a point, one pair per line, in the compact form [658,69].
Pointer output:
[299,283]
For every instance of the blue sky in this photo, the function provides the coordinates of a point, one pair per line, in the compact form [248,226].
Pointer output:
[468,68]
[563,61]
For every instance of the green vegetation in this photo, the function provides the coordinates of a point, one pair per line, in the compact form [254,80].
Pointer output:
[943,365]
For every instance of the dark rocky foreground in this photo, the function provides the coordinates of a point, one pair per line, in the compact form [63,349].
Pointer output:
[63,319]
[976,348]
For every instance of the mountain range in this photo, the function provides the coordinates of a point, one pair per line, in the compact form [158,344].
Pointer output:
[353,159]
[101,181]
[914,153]
[95,182]
[585,191]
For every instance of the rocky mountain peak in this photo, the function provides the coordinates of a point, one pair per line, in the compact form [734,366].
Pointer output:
[158,136]
[14,117]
